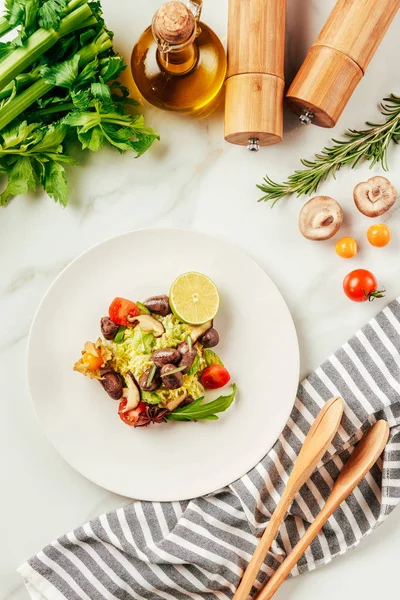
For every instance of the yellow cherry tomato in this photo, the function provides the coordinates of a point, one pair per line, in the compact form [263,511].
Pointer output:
[346,247]
[378,235]
[93,362]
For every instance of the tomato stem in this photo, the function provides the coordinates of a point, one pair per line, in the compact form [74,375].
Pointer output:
[375,294]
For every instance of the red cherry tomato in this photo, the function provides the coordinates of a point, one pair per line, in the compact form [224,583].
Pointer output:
[361,285]
[131,416]
[120,309]
[215,377]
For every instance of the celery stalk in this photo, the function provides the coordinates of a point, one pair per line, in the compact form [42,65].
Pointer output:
[38,89]
[73,4]
[38,43]
[21,82]
[5,26]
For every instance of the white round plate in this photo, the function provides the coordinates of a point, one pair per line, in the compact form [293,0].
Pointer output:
[174,461]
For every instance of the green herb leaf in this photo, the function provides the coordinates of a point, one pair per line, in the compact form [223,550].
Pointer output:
[197,411]
[81,99]
[88,74]
[21,179]
[173,371]
[101,91]
[211,358]
[120,335]
[55,182]
[151,375]
[112,67]
[62,74]
[371,144]
[195,366]
[51,12]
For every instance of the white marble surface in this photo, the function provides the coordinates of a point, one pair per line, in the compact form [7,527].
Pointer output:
[191,179]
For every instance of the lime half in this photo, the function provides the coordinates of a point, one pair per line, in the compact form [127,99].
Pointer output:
[194,298]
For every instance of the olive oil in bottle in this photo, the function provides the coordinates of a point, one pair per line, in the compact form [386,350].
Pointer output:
[179,63]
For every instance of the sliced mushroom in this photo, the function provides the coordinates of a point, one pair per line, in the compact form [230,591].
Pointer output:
[188,400]
[199,330]
[148,323]
[375,196]
[173,404]
[131,393]
[320,218]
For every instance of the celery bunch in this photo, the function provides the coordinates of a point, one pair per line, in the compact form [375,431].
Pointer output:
[59,84]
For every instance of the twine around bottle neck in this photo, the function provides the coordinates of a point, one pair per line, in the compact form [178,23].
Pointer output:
[178,57]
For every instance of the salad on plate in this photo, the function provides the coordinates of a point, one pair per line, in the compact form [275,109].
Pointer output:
[156,357]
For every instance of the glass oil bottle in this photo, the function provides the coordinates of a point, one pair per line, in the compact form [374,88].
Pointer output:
[179,63]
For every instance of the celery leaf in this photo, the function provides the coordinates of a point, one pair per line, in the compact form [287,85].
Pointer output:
[51,12]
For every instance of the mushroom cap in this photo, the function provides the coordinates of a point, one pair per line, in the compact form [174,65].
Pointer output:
[375,196]
[148,323]
[320,218]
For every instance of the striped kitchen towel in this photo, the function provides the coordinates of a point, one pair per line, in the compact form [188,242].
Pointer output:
[199,548]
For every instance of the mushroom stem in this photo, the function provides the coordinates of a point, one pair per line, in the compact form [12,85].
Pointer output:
[375,196]
[320,218]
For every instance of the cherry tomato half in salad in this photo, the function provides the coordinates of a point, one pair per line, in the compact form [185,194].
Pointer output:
[361,285]
[92,361]
[214,377]
[131,416]
[120,309]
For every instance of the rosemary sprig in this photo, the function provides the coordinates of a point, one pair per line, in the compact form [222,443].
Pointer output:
[370,144]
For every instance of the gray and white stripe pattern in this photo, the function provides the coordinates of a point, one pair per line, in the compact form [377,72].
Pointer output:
[199,548]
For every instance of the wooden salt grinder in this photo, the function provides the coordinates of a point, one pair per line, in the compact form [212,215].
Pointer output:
[255,77]
[338,59]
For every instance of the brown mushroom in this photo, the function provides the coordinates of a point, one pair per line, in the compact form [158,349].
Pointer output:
[199,330]
[131,393]
[178,401]
[320,218]
[148,323]
[375,196]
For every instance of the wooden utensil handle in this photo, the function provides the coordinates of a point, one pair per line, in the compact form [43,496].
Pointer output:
[315,445]
[361,461]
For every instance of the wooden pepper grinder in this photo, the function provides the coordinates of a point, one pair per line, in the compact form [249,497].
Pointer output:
[338,59]
[255,78]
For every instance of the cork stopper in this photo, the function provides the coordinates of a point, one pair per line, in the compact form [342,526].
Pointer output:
[174,22]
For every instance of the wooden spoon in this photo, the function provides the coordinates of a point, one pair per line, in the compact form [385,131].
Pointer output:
[360,462]
[315,445]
